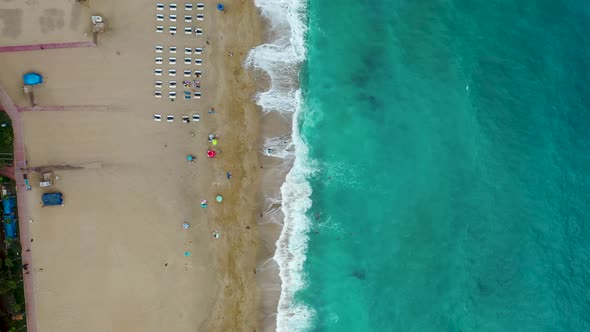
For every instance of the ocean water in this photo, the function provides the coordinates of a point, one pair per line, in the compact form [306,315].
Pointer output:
[442,167]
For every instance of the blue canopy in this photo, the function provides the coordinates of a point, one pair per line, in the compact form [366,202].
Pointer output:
[220,7]
[32,79]
[52,199]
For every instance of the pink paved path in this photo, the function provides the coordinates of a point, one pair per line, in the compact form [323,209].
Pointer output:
[50,46]
[25,237]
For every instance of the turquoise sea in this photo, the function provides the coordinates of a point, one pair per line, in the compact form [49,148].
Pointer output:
[451,146]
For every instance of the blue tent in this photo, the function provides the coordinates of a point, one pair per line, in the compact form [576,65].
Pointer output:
[32,79]
[220,7]
[52,199]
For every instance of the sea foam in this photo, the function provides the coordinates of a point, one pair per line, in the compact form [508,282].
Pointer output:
[281,60]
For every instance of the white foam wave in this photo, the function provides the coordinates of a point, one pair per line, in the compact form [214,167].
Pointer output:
[281,60]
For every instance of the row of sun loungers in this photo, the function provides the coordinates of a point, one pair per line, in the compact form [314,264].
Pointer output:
[173,84]
[170,118]
[173,95]
[187,30]
[172,61]
[173,49]
[187,18]
[185,72]
[187,6]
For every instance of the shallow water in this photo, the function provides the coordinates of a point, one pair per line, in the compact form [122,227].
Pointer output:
[450,141]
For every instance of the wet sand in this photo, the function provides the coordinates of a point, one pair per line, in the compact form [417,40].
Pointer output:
[113,258]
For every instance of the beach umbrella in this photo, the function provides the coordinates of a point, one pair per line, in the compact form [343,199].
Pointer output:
[32,79]
[211,154]
[203,203]
[220,7]
[214,142]
[190,157]
[185,225]
[219,198]
[187,253]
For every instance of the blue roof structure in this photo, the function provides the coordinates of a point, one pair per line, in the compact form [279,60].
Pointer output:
[50,199]
[32,79]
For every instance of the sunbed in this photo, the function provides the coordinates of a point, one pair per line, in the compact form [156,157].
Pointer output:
[158,84]
[158,72]
[198,50]
[188,18]
[172,94]
[198,31]
[172,84]
[185,119]
[188,6]
[160,6]
[158,60]
[171,72]
[188,30]
[187,73]
[169,118]
[200,6]
[158,94]
[159,17]
[197,94]
[200,17]
[159,49]
[172,49]
[188,50]
[196,118]
[159,28]
[198,62]
[172,60]
[158,117]
[173,6]
[187,61]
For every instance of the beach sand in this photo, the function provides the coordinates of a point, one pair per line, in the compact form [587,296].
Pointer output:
[113,258]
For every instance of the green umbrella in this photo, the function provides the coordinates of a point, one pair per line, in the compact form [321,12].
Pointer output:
[219,198]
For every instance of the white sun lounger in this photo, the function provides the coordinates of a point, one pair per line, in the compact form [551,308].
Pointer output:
[185,119]
[172,84]
[198,31]
[172,17]
[187,73]
[172,49]
[200,6]
[158,94]
[159,49]
[198,73]
[172,60]
[160,28]
[187,61]
[197,94]
[171,72]
[188,6]
[188,18]
[160,6]
[169,118]
[159,17]
[172,94]
[198,50]
[173,6]
[188,30]
[196,118]
[158,84]
[200,17]
[172,29]
[198,62]
[188,50]
[158,117]
[158,60]
[158,72]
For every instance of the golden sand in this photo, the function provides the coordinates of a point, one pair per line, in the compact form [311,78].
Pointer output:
[113,258]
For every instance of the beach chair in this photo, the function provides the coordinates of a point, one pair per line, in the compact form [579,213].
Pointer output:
[160,6]
[169,118]
[171,60]
[158,94]
[188,30]
[185,119]
[158,84]
[188,50]
[197,94]
[172,29]
[172,84]
[187,73]
[159,49]
[173,49]
[188,18]
[173,6]
[187,61]
[196,118]
[172,94]
[188,6]
[172,17]
[198,31]
[198,62]
[198,74]
[158,60]
[200,6]
[200,17]
[160,28]
[171,72]
[158,72]
[159,17]
[158,117]
[198,50]
[187,95]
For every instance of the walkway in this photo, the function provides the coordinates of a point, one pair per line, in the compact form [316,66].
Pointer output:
[50,46]
[20,163]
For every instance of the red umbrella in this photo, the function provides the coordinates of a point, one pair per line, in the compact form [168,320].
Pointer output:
[211,154]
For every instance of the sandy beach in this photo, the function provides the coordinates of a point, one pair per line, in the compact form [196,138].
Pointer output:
[113,258]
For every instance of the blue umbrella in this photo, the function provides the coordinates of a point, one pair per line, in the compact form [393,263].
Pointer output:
[32,79]
[189,157]
[220,7]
